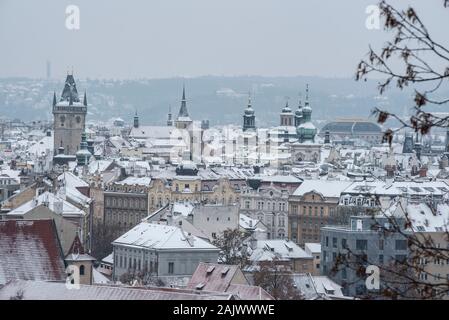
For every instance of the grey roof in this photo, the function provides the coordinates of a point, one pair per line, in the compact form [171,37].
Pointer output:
[69,93]
[41,290]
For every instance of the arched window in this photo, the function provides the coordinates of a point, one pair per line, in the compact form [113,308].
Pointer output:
[82,271]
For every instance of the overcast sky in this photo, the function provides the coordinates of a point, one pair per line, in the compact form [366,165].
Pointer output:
[166,38]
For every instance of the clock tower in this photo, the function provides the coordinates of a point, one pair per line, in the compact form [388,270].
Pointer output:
[69,119]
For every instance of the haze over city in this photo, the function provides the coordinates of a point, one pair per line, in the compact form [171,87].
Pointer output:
[171,38]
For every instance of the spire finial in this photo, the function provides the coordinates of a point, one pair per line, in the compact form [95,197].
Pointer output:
[54,98]
[183,92]
[249,98]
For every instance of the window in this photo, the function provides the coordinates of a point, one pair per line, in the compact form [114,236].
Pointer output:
[344,274]
[334,242]
[381,244]
[327,241]
[401,245]
[246,204]
[361,244]
[171,267]
[82,271]
[344,244]
[381,258]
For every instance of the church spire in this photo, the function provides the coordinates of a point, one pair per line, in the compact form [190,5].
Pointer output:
[183,113]
[54,98]
[249,119]
[85,99]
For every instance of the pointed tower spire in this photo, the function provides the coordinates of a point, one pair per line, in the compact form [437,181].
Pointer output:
[54,98]
[183,113]
[85,99]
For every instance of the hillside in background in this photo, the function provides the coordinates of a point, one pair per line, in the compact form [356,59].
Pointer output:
[219,99]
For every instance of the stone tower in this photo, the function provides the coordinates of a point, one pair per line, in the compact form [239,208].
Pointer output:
[69,118]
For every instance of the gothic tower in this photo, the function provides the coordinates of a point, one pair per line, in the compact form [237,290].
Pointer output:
[69,118]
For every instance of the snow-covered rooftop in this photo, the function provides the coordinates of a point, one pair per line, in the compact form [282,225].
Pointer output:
[328,188]
[161,237]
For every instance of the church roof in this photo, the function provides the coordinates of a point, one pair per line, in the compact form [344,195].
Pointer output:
[77,252]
